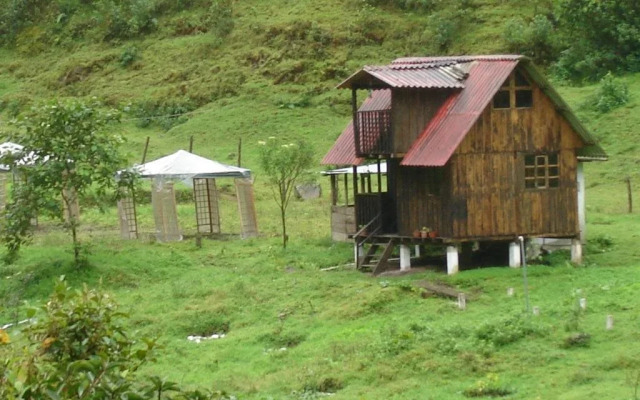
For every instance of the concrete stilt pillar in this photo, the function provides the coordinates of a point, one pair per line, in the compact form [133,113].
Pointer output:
[514,255]
[576,251]
[417,250]
[405,257]
[358,251]
[452,260]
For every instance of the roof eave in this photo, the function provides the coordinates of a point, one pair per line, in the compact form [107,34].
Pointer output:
[353,82]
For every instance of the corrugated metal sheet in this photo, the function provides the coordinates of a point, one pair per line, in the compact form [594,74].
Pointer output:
[456,59]
[343,151]
[457,115]
[421,75]
[479,77]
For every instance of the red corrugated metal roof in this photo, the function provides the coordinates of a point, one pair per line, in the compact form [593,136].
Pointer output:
[343,151]
[456,116]
[455,59]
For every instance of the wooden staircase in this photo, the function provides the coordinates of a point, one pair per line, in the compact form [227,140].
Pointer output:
[379,249]
[376,259]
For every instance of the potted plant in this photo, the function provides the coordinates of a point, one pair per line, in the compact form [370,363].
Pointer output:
[433,234]
[416,234]
[424,233]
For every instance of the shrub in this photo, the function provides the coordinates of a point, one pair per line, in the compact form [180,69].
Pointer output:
[507,330]
[488,387]
[128,56]
[128,19]
[79,349]
[610,94]
[579,339]
[220,17]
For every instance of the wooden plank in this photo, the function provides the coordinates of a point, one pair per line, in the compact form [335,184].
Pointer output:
[438,289]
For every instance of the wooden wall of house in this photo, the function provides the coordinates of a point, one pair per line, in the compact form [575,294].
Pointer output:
[411,109]
[421,194]
[480,193]
[488,194]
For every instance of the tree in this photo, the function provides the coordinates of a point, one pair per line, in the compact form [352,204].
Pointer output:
[602,36]
[67,152]
[284,163]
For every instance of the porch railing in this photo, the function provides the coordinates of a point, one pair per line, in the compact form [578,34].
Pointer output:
[375,207]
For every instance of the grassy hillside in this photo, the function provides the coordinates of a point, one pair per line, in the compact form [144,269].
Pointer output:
[294,331]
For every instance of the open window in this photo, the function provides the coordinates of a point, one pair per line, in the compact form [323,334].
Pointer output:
[516,92]
[541,171]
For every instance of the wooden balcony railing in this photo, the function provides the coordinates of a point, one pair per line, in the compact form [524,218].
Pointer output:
[372,205]
[373,133]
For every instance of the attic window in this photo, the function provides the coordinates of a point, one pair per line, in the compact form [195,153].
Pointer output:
[541,171]
[516,92]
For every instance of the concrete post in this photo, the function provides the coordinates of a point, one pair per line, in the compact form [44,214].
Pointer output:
[452,260]
[576,251]
[581,203]
[462,301]
[417,250]
[405,257]
[514,255]
[358,251]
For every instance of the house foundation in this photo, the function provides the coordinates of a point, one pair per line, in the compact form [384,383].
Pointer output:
[515,260]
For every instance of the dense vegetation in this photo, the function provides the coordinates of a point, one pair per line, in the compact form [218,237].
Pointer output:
[221,70]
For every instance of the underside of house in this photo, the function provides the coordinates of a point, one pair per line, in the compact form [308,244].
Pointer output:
[477,149]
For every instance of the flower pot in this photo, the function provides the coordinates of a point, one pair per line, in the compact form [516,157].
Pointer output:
[424,234]
[433,234]
[416,233]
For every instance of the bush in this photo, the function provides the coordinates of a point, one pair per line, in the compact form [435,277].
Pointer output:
[128,19]
[128,56]
[79,349]
[611,93]
[79,345]
[507,330]
[488,387]
[220,17]
[579,339]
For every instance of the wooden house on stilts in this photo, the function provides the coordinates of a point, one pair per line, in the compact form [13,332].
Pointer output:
[479,149]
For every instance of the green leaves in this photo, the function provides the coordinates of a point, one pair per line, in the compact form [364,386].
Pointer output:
[284,163]
[68,149]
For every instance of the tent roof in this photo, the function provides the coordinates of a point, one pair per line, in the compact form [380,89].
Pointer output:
[184,165]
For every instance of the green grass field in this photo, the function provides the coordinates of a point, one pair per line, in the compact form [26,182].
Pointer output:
[294,331]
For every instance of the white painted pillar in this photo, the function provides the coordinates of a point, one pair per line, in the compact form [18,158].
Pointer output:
[581,203]
[452,260]
[358,251]
[514,255]
[576,251]
[405,257]
[417,250]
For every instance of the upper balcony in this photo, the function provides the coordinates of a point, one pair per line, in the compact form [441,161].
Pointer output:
[373,133]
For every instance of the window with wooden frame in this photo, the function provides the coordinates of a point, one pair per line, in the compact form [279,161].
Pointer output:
[516,92]
[541,171]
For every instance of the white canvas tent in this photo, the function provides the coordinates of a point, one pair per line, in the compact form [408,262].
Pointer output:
[185,166]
